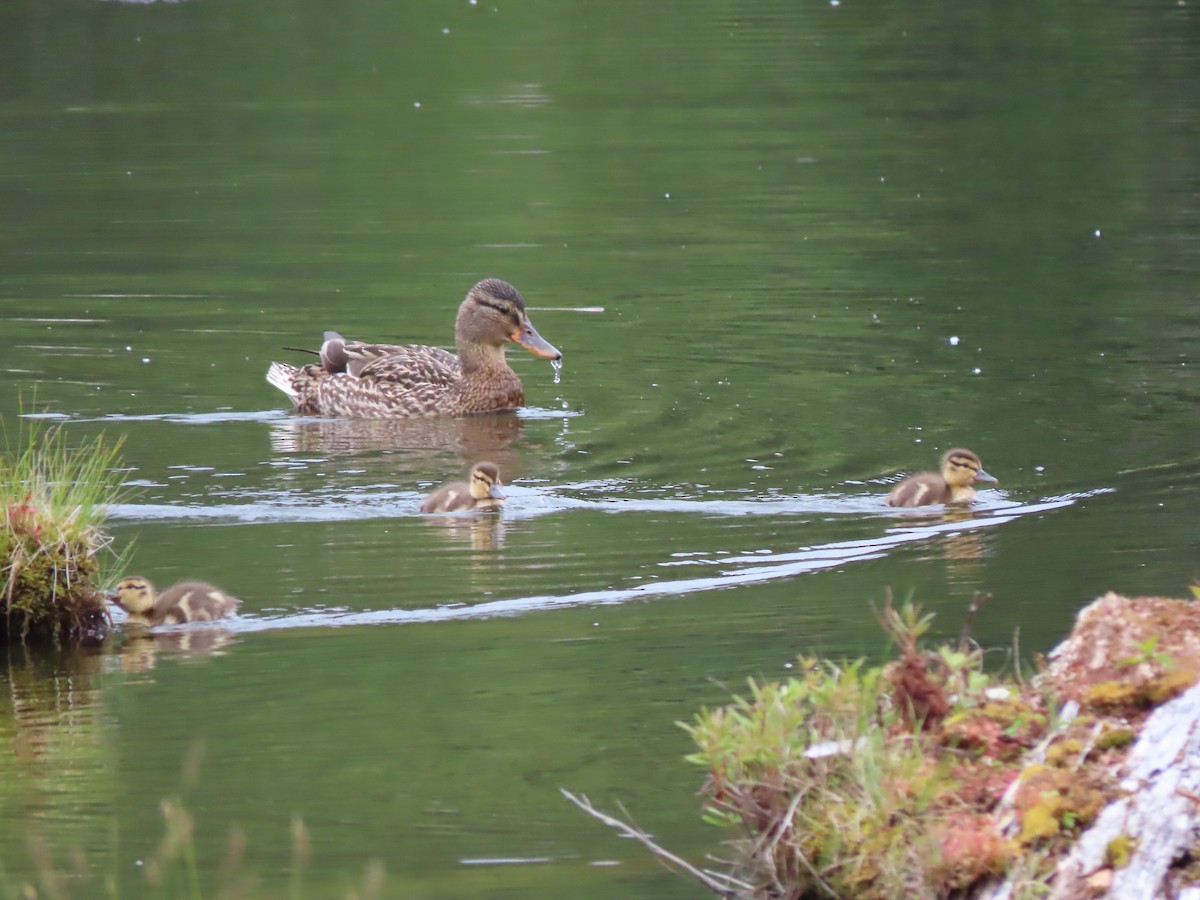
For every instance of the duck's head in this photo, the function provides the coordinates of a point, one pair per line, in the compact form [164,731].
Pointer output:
[333,353]
[961,467]
[485,481]
[133,594]
[494,313]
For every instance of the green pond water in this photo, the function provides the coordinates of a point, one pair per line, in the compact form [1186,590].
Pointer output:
[829,241]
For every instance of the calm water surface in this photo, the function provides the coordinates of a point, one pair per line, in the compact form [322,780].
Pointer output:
[829,242]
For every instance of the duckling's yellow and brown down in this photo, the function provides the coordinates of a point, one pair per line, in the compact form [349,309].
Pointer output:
[482,491]
[188,601]
[356,379]
[960,468]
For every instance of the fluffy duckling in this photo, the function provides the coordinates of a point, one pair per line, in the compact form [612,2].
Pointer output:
[188,601]
[960,468]
[483,492]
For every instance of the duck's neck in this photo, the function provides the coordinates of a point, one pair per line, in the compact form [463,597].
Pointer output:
[477,357]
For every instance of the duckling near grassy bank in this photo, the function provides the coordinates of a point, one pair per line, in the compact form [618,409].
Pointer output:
[188,601]
[379,381]
[483,492]
[959,469]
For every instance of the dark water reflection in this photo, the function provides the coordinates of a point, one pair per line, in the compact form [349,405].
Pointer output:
[829,242]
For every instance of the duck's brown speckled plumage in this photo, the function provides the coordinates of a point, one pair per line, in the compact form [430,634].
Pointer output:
[356,379]
[482,492]
[959,469]
[188,601]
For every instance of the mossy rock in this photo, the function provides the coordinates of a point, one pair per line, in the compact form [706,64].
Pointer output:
[48,594]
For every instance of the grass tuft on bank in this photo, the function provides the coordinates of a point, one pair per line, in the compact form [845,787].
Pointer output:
[53,498]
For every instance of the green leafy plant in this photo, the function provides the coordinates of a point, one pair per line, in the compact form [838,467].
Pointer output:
[1148,654]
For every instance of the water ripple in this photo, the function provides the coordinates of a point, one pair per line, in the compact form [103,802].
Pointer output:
[733,571]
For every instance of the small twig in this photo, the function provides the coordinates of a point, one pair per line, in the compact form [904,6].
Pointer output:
[721,885]
[1188,795]
[782,826]
[1090,745]
[978,602]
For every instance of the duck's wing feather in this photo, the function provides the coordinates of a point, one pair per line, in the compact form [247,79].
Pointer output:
[361,398]
[407,366]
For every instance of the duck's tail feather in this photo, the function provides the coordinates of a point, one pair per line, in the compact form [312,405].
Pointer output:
[283,376]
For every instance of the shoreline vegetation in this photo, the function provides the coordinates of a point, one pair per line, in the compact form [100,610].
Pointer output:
[927,777]
[53,497]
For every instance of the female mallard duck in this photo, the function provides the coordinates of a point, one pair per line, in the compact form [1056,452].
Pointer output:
[380,381]
[483,492]
[188,601]
[952,485]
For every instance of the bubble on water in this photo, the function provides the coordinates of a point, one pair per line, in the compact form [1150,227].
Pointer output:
[1096,233]
[556,364]
[977,371]
[952,340]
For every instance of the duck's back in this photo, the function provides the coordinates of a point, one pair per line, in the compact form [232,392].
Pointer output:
[448,498]
[192,601]
[405,366]
[925,489]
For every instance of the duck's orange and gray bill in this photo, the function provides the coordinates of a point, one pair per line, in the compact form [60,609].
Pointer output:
[528,338]
[984,476]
